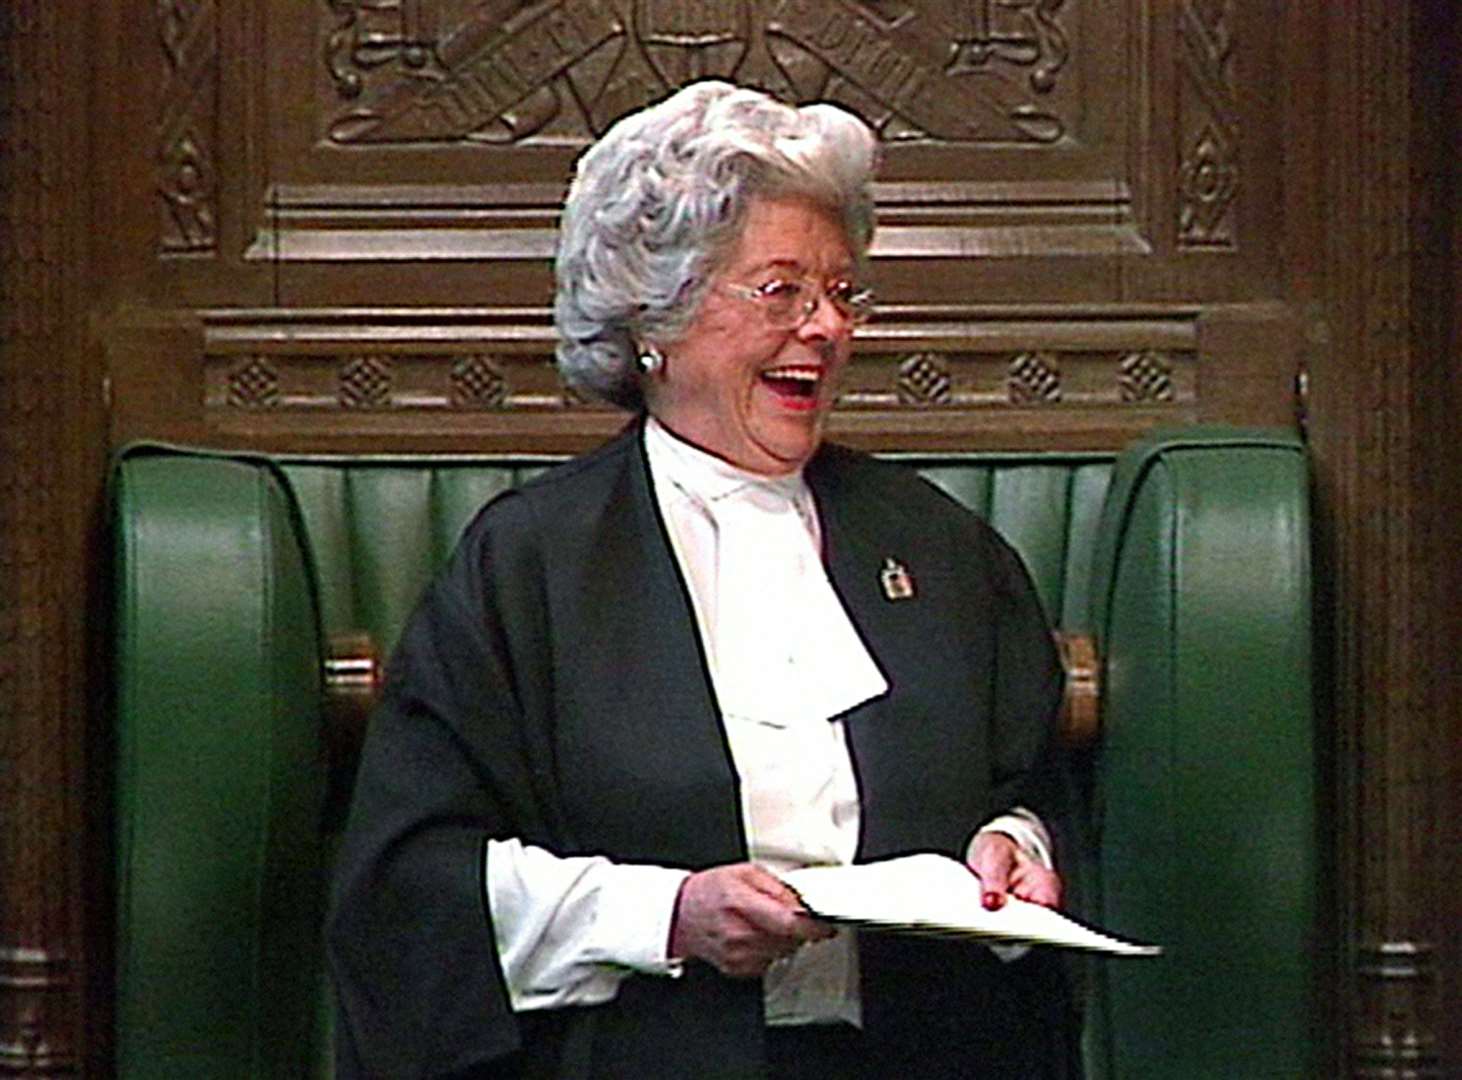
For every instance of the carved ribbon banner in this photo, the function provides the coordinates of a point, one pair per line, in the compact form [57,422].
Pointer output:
[485,69]
[563,70]
[1019,32]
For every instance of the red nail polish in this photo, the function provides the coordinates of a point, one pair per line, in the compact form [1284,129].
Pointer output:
[994,901]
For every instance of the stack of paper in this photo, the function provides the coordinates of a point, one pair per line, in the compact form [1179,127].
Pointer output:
[931,893]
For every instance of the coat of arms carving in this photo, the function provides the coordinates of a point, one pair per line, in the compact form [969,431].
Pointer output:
[561,71]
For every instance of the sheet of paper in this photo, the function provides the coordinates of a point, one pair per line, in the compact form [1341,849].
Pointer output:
[931,893]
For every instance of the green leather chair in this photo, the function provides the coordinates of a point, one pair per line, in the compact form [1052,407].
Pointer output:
[1186,557]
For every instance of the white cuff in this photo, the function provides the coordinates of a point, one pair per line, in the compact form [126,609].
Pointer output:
[631,927]
[570,929]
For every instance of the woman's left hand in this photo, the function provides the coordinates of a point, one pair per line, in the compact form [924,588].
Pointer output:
[1003,868]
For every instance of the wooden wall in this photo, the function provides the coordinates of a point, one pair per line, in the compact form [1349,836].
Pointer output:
[326,225]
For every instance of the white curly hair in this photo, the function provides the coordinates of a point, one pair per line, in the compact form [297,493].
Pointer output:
[658,202]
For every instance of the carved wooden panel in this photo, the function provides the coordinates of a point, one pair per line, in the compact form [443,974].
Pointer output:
[987,72]
[1055,165]
[522,87]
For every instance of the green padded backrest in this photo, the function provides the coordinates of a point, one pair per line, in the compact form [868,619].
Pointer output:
[219,785]
[1207,811]
[1047,506]
[379,528]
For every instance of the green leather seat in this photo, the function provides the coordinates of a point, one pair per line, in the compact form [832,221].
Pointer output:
[1186,556]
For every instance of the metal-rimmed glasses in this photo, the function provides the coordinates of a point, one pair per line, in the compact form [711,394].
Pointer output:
[787,302]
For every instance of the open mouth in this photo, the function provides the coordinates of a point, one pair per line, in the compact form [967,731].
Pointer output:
[793,383]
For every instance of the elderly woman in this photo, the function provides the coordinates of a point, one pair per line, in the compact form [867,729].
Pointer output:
[710,651]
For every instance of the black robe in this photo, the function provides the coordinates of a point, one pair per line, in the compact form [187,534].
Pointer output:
[552,686]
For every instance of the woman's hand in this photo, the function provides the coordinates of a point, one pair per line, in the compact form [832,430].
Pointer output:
[1004,868]
[740,918]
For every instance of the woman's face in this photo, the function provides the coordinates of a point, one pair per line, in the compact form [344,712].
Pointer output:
[733,385]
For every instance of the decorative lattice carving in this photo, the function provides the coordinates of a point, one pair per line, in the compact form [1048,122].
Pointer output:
[1207,184]
[407,71]
[1034,379]
[365,383]
[251,373]
[1208,127]
[186,183]
[477,381]
[924,379]
[253,384]
[187,188]
[1146,377]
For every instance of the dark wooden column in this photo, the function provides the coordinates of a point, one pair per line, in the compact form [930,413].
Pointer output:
[1384,432]
[1438,134]
[52,440]
[1449,528]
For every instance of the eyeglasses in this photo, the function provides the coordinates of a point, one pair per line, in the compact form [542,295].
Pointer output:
[788,302]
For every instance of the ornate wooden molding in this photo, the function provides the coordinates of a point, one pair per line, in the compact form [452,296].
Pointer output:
[952,370]
[1403,976]
[31,1044]
[357,223]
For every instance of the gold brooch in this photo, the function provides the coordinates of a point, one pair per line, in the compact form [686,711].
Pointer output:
[898,583]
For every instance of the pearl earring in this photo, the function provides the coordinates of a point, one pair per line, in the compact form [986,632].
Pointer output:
[650,360]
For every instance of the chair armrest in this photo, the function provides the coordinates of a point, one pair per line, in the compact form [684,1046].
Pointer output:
[1206,793]
[1081,702]
[220,778]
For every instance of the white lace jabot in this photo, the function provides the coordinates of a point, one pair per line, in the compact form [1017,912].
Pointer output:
[784,648]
